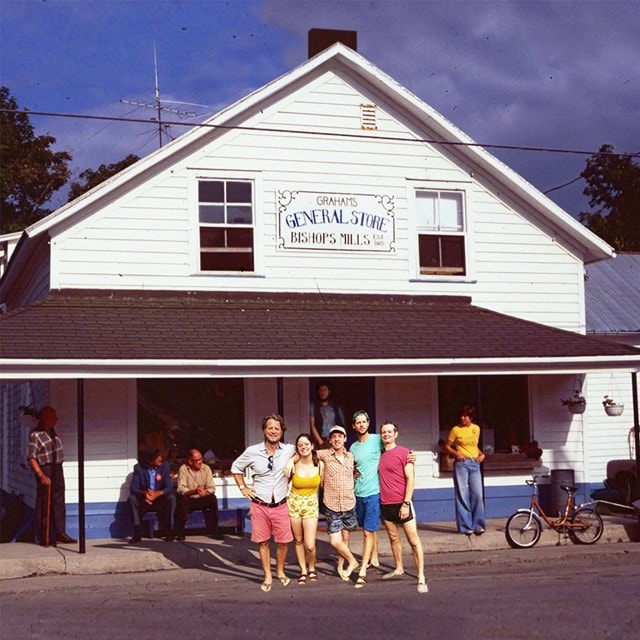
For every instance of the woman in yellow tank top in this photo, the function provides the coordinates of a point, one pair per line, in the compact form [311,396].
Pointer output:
[305,476]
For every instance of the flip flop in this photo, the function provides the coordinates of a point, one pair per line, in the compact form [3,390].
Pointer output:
[266,587]
[360,582]
[284,580]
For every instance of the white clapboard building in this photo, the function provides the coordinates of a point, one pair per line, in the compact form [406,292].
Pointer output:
[330,226]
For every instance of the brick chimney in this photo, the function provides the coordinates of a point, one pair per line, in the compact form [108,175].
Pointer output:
[321,39]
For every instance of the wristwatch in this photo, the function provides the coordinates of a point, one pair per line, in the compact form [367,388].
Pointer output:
[407,503]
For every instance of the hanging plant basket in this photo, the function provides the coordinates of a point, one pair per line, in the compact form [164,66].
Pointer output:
[577,407]
[29,421]
[614,409]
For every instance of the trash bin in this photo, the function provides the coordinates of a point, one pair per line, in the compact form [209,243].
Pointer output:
[560,477]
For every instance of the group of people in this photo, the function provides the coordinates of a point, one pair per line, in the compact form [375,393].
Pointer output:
[152,489]
[375,479]
[290,485]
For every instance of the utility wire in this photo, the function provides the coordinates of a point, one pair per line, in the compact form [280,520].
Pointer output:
[318,133]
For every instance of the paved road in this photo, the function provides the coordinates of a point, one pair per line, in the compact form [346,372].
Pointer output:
[552,592]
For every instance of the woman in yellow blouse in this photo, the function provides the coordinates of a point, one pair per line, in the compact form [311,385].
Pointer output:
[462,443]
[305,472]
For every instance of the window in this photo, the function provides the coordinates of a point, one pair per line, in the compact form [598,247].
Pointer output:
[225,212]
[441,232]
[502,406]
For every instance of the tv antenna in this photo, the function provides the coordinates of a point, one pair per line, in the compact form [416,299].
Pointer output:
[157,104]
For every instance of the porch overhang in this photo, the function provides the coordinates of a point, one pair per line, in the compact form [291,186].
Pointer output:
[107,334]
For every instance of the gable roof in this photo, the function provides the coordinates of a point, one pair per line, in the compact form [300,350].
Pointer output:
[612,295]
[140,334]
[337,57]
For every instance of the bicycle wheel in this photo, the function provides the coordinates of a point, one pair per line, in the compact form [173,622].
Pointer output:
[586,527]
[523,530]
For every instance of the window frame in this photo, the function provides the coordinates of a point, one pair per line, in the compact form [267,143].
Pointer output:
[442,272]
[251,178]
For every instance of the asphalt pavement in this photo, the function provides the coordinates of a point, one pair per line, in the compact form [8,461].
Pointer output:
[19,560]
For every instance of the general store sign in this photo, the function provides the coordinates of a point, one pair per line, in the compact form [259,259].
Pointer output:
[335,221]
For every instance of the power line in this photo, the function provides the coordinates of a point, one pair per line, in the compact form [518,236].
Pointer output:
[207,125]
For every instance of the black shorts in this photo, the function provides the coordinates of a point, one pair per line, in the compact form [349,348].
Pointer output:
[391,513]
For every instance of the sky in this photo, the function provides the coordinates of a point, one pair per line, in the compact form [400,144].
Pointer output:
[558,74]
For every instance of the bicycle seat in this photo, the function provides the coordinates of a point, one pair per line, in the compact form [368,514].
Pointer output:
[568,489]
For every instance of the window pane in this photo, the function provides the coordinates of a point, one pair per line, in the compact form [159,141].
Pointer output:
[452,248]
[240,237]
[221,261]
[211,237]
[238,192]
[426,209]
[451,211]
[237,214]
[211,213]
[210,191]
[429,251]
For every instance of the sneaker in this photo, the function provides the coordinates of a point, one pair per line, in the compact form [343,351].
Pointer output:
[479,532]
[422,587]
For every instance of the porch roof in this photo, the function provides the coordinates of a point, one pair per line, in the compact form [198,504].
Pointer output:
[79,333]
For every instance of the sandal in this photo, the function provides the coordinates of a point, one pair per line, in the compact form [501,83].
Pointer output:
[302,580]
[360,582]
[313,576]
[392,574]
[284,581]
[266,587]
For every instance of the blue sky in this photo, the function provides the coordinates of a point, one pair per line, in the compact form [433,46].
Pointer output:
[536,74]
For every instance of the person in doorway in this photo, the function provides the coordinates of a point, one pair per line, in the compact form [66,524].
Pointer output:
[151,489]
[305,472]
[324,414]
[45,456]
[339,498]
[462,443]
[397,482]
[268,495]
[196,492]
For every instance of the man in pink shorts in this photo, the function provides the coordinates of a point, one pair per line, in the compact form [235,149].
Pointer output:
[268,495]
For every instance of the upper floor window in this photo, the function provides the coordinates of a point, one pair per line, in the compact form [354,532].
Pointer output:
[225,212]
[440,224]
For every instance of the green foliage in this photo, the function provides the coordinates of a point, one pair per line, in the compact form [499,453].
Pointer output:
[613,188]
[90,178]
[31,171]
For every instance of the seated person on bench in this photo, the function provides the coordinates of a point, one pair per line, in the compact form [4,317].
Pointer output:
[196,492]
[152,490]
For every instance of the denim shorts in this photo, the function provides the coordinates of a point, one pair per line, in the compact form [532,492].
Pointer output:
[339,520]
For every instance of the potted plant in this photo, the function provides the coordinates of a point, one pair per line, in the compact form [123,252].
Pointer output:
[576,404]
[611,407]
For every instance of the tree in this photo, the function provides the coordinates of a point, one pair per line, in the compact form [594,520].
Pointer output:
[31,171]
[90,178]
[613,187]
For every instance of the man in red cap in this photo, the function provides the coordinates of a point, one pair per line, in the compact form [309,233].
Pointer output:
[45,456]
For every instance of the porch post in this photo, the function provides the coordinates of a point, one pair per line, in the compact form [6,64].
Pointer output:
[81,510]
[280,396]
[636,427]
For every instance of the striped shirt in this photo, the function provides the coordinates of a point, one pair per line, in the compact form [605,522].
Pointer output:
[338,480]
[43,448]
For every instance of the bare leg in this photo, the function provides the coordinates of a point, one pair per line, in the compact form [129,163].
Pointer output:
[265,559]
[310,528]
[367,549]
[396,547]
[299,539]
[375,560]
[340,542]
[411,531]
[281,557]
